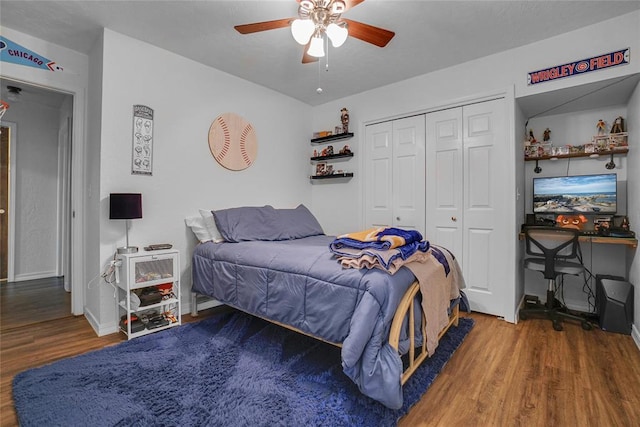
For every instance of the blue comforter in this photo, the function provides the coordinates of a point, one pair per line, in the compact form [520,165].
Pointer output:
[299,283]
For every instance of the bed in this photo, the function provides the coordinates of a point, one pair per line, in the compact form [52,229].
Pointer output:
[276,264]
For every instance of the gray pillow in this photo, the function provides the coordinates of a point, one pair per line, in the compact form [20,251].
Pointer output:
[298,223]
[266,223]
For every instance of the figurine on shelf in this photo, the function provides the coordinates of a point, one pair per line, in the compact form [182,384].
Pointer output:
[625,223]
[330,150]
[344,118]
[601,126]
[532,139]
[345,150]
[546,136]
[618,125]
[315,153]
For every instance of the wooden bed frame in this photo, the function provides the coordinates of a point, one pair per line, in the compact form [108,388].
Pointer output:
[405,308]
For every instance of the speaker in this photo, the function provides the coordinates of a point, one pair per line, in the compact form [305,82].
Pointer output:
[614,304]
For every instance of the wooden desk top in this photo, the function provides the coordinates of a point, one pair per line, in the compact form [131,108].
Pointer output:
[629,241]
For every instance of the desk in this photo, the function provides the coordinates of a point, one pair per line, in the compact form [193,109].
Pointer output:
[600,255]
[629,241]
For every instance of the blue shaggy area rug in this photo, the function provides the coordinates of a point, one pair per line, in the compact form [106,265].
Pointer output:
[228,370]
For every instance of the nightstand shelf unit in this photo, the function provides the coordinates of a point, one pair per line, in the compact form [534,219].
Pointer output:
[148,291]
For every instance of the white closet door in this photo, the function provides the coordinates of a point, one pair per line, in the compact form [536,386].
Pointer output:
[444,180]
[409,173]
[486,210]
[378,175]
[467,197]
[394,174]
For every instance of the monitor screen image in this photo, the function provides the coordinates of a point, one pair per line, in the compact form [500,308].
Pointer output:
[575,194]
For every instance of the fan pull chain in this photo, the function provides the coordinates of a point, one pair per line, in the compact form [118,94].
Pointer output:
[319,90]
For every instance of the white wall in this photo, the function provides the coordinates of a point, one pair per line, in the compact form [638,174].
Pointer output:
[339,205]
[633,199]
[36,189]
[186,97]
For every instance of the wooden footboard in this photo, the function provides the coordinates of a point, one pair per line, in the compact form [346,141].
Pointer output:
[407,308]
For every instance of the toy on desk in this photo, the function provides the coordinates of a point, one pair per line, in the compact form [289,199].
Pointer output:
[571,221]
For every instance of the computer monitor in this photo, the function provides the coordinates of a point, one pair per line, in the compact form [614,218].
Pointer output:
[584,194]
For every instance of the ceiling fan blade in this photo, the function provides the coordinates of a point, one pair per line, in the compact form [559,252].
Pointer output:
[368,33]
[352,3]
[263,26]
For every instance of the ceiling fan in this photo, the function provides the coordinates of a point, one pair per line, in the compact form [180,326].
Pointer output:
[317,18]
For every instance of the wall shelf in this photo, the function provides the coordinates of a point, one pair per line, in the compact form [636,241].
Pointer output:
[330,138]
[333,176]
[331,157]
[567,156]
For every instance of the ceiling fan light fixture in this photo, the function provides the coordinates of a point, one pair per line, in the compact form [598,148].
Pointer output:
[302,30]
[338,7]
[307,5]
[316,48]
[337,34]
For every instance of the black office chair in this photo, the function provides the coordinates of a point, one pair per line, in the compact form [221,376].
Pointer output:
[550,248]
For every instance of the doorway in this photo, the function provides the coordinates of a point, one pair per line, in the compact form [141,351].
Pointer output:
[36,175]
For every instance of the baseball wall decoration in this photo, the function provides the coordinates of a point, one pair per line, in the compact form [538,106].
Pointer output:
[233,142]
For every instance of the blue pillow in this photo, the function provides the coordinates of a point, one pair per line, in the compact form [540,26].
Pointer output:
[266,223]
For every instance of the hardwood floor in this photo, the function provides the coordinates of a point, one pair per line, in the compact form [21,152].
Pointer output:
[502,374]
[33,301]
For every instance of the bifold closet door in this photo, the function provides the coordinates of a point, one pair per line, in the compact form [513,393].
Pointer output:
[467,197]
[395,174]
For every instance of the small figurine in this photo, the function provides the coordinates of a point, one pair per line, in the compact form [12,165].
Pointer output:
[618,125]
[532,139]
[546,136]
[601,127]
[625,223]
[345,150]
[330,150]
[344,118]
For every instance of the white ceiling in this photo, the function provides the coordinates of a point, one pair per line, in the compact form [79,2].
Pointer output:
[430,35]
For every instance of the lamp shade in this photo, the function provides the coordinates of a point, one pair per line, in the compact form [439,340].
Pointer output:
[302,30]
[316,48]
[125,205]
[337,34]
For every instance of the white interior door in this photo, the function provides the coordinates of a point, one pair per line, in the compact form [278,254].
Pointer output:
[444,180]
[378,167]
[409,173]
[486,210]
[395,174]
[467,197]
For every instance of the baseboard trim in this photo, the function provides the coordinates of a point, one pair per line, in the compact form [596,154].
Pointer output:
[99,329]
[34,276]
[635,334]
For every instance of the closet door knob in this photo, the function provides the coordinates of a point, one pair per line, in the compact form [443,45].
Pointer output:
[454,219]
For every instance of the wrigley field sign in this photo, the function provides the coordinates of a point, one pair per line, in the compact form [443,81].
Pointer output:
[599,62]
